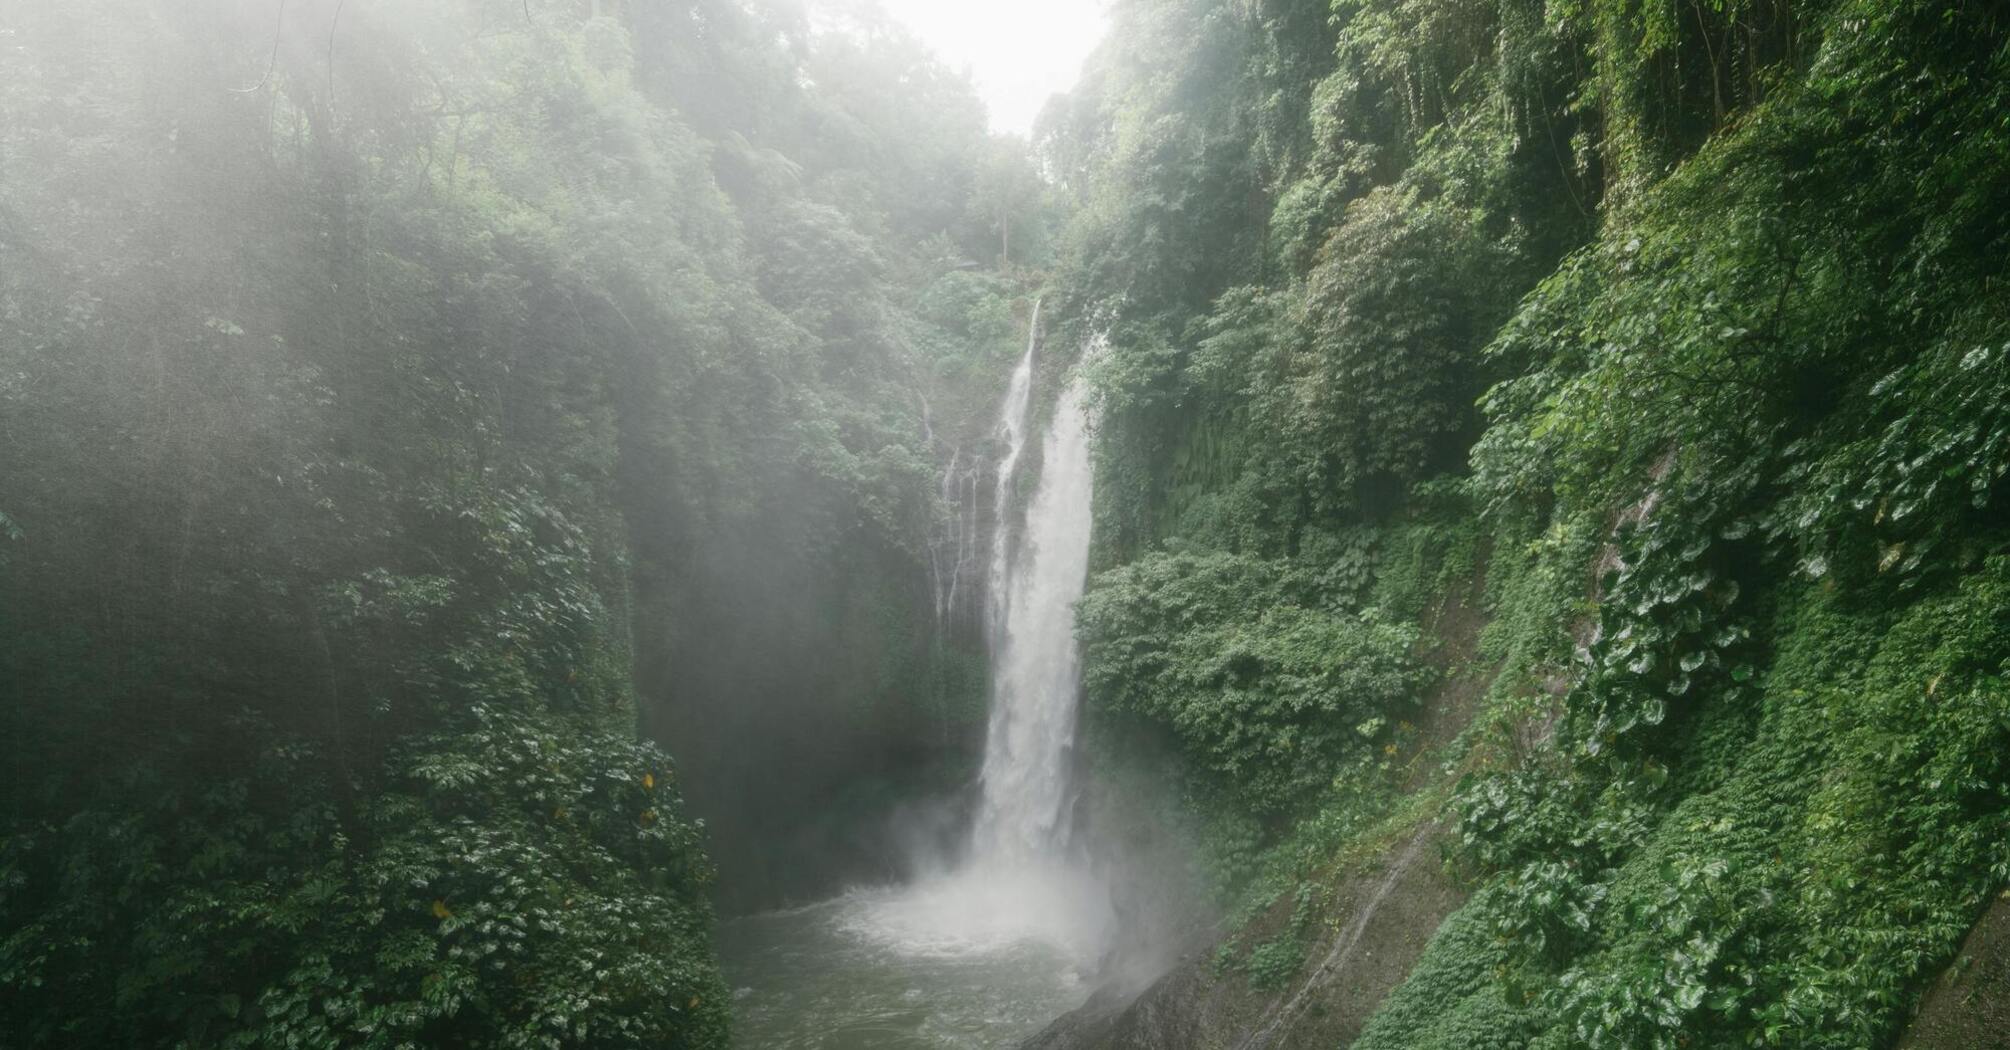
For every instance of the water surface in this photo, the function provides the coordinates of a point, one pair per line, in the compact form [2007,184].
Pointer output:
[948,964]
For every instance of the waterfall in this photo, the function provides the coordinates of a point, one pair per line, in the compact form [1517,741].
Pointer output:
[1023,813]
[1012,432]
[1017,884]
[954,542]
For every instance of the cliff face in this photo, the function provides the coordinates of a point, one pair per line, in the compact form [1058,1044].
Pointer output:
[1378,926]
[1968,1007]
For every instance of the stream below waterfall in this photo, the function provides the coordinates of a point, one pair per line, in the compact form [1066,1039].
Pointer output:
[942,964]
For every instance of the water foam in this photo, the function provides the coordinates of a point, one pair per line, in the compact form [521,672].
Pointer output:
[982,910]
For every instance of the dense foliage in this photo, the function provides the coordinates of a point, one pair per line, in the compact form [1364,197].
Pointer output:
[414,416]
[1692,316]
[397,401]
[1265,695]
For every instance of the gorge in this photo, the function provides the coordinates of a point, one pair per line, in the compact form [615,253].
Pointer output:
[1385,524]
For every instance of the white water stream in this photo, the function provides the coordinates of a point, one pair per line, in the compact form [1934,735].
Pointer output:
[1023,815]
[984,952]
[1017,882]
[1011,431]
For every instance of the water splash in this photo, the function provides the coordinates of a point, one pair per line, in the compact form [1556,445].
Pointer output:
[981,910]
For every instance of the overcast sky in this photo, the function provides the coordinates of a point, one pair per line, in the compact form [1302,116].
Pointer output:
[1019,52]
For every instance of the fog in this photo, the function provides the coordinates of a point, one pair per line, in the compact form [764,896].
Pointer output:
[465,459]
[893,525]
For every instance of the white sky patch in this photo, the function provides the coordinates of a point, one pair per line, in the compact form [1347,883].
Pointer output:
[1018,52]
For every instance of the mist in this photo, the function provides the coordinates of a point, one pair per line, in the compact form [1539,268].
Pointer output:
[465,460]
[841,525]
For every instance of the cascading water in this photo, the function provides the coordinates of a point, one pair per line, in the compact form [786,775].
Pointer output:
[1011,431]
[1016,882]
[1023,813]
[988,950]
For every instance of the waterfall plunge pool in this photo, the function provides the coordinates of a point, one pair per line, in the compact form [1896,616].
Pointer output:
[979,959]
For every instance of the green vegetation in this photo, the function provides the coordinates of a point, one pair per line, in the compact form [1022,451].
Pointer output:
[1682,327]
[403,404]
[1570,432]
[1266,697]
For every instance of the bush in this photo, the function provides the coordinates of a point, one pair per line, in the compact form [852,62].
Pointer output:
[521,885]
[1267,697]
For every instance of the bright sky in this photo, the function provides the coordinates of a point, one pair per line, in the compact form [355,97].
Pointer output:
[1019,52]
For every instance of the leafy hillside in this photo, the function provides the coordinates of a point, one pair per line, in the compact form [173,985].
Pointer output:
[1550,487]
[1680,326]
